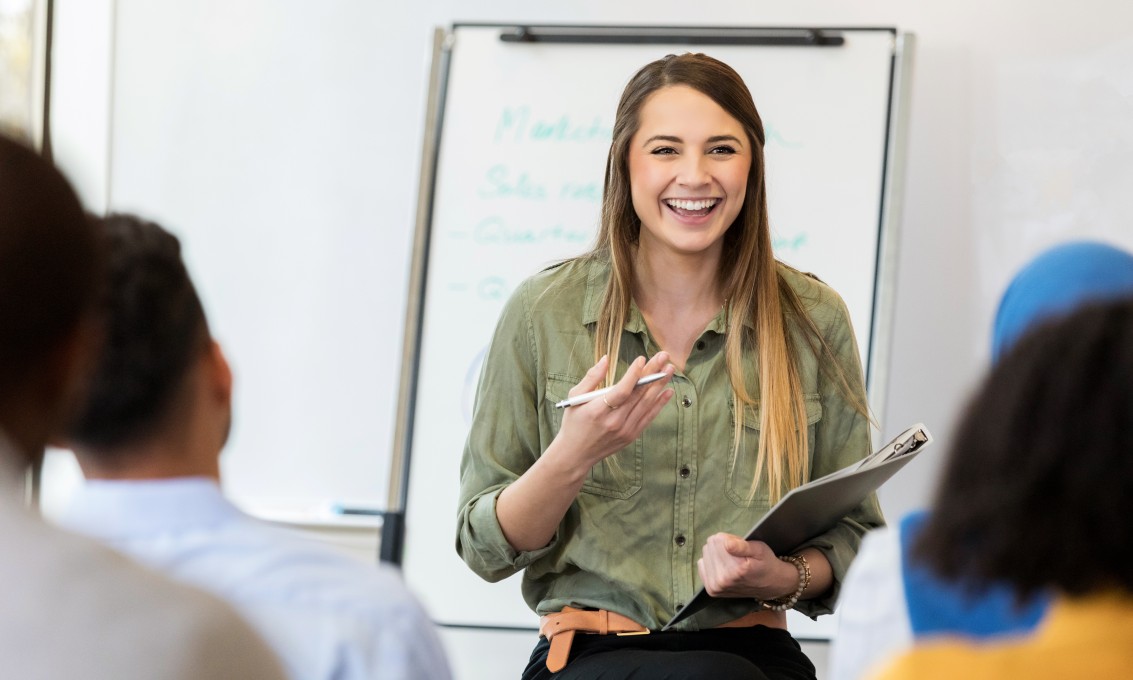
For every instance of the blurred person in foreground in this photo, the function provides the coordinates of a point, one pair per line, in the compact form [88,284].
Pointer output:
[891,600]
[149,438]
[1038,493]
[72,608]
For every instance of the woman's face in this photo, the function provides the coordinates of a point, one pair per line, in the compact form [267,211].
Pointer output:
[688,169]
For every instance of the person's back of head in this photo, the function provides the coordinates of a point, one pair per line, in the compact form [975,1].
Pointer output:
[49,267]
[153,423]
[1039,484]
[74,608]
[156,337]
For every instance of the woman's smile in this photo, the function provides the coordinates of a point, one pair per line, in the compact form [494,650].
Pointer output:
[691,210]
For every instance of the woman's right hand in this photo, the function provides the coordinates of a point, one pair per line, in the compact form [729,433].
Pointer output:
[604,426]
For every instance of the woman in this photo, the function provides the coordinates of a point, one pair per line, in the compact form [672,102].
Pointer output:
[1038,493]
[627,504]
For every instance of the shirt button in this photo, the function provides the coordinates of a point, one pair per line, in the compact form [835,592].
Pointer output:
[685,472]
[700,345]
[686,402]
[680,540]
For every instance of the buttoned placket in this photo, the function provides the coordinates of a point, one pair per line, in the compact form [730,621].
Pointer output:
[683,546]
[686,545]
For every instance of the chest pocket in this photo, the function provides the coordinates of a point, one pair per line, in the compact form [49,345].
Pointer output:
[619,475]
[741,468]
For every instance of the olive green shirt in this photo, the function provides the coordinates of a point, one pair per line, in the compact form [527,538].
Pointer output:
[631,540]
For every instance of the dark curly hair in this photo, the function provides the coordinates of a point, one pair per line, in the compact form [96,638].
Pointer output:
[1038,488]
[155,330]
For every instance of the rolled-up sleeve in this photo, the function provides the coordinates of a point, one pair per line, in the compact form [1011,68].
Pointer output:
[503,442]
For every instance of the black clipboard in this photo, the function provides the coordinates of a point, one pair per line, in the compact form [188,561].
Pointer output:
[809,510]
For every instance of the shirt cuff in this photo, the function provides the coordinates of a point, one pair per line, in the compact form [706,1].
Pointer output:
[823,605]
[491,541]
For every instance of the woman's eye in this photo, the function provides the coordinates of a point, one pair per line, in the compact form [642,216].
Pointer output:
[663,151]
[723,149]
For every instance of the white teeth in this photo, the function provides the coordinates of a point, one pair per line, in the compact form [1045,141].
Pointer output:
[692,205]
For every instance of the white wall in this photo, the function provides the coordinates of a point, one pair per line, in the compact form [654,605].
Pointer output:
[1019,137]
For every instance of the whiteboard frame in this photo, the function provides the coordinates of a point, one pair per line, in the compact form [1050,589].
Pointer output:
[391,546]
[877,362]
[892,207]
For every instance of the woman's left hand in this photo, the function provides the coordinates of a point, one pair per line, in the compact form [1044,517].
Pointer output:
[732,567]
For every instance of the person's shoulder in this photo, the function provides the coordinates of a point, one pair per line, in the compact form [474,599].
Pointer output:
[562,287]
[299,571]
[82,590]
[952,658]
[569,274]
[934,660]
[807,285]
[824,305]
[363,606]
[883,542]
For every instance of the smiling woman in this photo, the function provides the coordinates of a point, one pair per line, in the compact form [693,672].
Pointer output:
[619,509]
[688,173]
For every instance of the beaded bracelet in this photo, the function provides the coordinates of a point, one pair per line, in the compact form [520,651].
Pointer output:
[783,603]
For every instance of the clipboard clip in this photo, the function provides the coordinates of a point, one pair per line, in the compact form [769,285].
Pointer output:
[917,441]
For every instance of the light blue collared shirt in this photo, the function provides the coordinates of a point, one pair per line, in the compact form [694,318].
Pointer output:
[326,614]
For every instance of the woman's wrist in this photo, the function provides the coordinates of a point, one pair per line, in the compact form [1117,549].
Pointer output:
[800,569]
[565,465]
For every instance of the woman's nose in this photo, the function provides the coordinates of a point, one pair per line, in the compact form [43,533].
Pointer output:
[693,171]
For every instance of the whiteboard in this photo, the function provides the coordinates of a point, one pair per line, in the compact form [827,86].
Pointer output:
[524,130]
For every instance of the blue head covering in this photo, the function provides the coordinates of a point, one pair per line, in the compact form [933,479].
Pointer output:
[1055,283]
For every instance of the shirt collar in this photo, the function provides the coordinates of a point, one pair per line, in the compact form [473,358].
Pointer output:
[596,281]
[115,509]
[596,278]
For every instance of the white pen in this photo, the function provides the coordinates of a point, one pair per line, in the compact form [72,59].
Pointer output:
[591,396]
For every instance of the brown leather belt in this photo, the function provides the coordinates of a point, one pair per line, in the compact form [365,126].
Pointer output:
[559,628]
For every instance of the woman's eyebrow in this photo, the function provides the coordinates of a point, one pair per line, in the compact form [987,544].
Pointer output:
[677,140]
[724,138]
[663,138]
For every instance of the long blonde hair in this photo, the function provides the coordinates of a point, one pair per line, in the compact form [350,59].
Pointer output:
[748,273]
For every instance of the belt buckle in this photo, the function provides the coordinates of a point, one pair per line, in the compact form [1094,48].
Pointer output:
[634,632]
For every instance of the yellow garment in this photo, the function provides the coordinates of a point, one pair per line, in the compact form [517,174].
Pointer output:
[1080,638]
